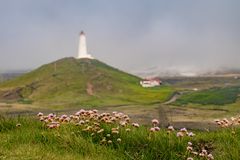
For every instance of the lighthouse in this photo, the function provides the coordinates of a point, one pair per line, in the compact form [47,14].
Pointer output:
[82,48]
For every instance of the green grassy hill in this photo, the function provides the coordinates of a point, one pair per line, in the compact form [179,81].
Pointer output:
[73,82]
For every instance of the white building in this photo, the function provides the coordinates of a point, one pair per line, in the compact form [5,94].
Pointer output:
[150,82]
[195,89]
[82,48]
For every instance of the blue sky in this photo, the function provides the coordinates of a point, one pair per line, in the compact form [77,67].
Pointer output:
[129,34]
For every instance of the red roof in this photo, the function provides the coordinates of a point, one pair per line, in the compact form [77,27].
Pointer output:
[152,79]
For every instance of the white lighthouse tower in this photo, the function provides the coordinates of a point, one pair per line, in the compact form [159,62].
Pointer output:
[82,48]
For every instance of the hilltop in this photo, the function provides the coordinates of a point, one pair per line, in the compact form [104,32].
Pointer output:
[72,82]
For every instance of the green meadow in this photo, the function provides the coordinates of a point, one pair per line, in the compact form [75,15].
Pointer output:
[33,140]
[212,96]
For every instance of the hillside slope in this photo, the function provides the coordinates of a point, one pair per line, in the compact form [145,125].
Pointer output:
[71,81]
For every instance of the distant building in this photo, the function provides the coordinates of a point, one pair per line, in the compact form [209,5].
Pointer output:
[195,89]
[151,82]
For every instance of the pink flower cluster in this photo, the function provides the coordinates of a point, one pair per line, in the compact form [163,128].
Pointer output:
[184,132]
[86,117]
[224,123]
[203,154]
[92,122]
[155,128]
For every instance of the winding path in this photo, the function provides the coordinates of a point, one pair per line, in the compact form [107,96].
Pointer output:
[173,98]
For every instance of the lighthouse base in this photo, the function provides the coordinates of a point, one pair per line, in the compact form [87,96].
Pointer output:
[85,56]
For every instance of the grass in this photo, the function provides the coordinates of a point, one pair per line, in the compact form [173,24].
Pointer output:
[33,140]
[68,85]
[214,96]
